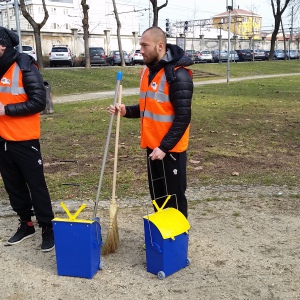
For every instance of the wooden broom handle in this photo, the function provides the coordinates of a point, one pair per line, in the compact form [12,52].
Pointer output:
[116,146]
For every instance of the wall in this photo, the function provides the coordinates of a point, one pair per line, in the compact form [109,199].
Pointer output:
[130,42]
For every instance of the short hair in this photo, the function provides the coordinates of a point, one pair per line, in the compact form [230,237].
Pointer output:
[157,33]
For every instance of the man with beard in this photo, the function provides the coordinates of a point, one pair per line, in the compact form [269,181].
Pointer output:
[22,98]
[164,109]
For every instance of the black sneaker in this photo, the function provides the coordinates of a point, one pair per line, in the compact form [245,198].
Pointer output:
[25,231]
[47,239]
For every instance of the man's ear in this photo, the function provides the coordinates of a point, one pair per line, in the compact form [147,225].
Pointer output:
[161,46]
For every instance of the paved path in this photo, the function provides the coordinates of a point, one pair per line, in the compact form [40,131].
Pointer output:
[135,91]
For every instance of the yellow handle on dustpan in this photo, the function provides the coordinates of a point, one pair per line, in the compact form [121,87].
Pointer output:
[72,217]
[162,207]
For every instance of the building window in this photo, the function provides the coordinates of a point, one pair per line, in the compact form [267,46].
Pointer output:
[53,11]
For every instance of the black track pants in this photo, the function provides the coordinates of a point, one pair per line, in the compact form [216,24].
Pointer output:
[21,168]
[173,183]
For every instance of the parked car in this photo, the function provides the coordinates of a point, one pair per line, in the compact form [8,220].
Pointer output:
[258,54]
[292,54]
[279,54]
[234,56]
[29,50]
[203,56]
[114,58]
[136,58]
[97,56]
[190,54]
[244,54]
[267,54]
[216,56]
[61,55]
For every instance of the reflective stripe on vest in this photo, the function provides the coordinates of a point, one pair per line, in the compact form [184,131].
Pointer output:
[157,112]
[14,89]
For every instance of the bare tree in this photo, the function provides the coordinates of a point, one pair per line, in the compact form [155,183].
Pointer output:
[119,33]
[156,9]
[284,39]
[278,8]
[36,30]
[85,26]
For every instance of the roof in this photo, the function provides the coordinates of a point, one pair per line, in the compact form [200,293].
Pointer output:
[237,12]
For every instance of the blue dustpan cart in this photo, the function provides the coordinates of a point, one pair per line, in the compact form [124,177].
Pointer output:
[77,245]
[166,240]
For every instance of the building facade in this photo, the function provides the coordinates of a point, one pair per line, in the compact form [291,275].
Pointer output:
[243,24]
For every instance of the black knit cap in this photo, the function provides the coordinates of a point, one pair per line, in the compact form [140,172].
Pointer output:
[8,38]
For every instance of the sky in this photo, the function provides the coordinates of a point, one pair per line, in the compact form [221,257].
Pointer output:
[176,11]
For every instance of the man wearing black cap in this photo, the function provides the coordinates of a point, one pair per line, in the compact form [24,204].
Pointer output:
[22,98]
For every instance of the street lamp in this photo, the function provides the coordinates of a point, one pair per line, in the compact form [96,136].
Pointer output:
[220,40]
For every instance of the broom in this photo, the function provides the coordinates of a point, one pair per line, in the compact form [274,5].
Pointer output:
[112,240]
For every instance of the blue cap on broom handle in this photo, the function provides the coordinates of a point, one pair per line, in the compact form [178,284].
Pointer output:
[119,75]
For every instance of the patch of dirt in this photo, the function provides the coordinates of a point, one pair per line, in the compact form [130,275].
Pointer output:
[244,243]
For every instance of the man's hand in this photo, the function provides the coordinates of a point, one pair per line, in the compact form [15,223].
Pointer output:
[157,154]
[115,109]
[2,110]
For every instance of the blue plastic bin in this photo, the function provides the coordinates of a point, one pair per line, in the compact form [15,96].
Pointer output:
[77,246]
[166,240]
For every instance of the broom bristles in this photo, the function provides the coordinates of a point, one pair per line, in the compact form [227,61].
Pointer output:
[112,240]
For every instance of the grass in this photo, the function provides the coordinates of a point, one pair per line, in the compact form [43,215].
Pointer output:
[79,80]
[243,133]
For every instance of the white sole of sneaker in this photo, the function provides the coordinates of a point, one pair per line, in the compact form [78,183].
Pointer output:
[24,238]
[47,250]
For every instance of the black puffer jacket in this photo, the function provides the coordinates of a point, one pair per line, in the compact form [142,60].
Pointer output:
[33,83]
[181,92]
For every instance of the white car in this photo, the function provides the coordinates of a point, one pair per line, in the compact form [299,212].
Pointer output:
[61,55]
[136,58]
[29,50]
[203,56]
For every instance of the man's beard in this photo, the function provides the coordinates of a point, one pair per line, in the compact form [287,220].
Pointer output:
[152,59]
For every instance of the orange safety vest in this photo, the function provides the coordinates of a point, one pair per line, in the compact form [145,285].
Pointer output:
[16,128]
[157,112]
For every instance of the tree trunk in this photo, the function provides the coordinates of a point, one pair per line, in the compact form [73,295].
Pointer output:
[85,26]
[156,9]
[277,13]
[36,30]
[284,39]
[119,33]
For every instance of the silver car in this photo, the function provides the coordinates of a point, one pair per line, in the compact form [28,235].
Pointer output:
[279,54]
[292,54]
[136,58]
[29,50]
[234,56]
[114,58]
[203,56]
[219,57]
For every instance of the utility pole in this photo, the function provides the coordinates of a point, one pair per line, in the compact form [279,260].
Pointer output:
[17,15]
[229,9]
[149,15]
[7,9]
[291,32]
[220,41]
